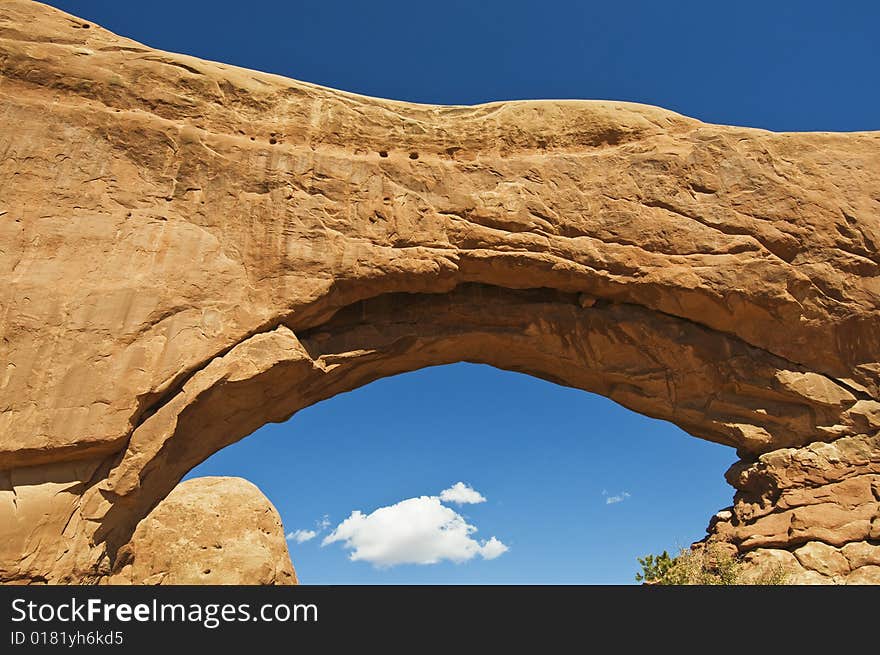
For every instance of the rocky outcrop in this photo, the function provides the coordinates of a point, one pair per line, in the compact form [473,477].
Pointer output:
[208,531]
[191,250]
[813,511]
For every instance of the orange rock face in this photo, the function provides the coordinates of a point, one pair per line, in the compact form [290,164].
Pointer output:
[209,531]
[190,250]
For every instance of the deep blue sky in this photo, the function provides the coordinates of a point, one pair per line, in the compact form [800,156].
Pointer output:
[780,65]
[542,455]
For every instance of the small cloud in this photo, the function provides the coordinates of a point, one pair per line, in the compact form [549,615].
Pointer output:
[301,536]
[414,531]
[493,548]
[462,494]
[619,498]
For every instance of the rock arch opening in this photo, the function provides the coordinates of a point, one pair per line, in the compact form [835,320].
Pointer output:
[706,382]
[576,486]
[711,384]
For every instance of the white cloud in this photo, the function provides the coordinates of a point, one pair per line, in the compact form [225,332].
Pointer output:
[301,536]
[462,494]
[414,531]
[493,548]
[619,498]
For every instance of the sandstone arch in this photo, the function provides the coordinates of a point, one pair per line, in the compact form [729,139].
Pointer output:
[192,250]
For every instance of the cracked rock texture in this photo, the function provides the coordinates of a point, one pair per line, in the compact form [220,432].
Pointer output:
[190,250]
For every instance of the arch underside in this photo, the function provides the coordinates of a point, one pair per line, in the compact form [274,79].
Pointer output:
[710,383]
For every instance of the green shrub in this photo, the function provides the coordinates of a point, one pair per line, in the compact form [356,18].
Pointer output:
[655,567]
[707,564]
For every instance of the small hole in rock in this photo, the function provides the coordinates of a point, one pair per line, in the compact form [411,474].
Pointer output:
[253,138]
[86,26]
[273,141]
[413,155]
[206,571]
[383,153]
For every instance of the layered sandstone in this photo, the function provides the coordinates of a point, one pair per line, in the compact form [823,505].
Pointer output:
[813,511]
[191,250]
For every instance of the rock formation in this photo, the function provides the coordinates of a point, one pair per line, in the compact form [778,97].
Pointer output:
[209,531]
[190,250]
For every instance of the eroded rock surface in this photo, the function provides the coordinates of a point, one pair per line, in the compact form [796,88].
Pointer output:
[821,502]
[191,249]
[209,531]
